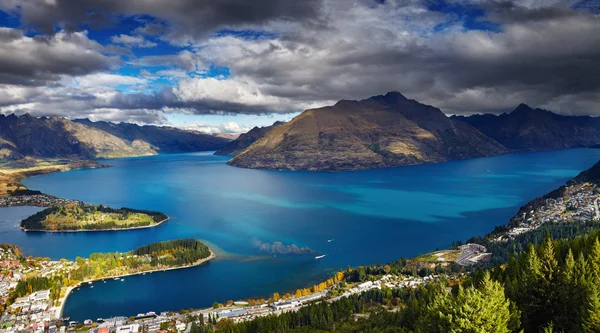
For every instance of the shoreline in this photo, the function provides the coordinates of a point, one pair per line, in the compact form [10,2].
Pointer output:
[99,230]
[63,300]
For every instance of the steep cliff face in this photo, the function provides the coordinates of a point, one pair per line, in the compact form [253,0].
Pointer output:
[381,131]
[536,129]
[245,140]
[61,138]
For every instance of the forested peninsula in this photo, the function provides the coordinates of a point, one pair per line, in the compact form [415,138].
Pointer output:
[173,254]
[153,257]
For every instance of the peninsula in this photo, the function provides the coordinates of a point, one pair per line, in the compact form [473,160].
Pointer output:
[85,217]
[53,281]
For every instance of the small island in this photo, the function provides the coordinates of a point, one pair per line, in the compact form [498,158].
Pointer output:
[79,216]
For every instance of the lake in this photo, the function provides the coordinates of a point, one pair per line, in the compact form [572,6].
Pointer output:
[354,218]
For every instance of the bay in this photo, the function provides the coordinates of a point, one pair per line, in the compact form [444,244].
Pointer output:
[354,218]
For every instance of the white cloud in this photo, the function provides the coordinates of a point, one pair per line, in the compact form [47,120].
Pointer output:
[98,80]
[226,128]
[132,41]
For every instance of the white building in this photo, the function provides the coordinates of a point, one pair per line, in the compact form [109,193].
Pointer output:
[133,328]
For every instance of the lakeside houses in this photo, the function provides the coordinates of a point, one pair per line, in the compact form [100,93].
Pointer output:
[38,200]
[35,311]
[579,203]
[151,322]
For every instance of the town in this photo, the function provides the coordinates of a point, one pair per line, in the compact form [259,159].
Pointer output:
[578,203]
[36,198]
[37,309]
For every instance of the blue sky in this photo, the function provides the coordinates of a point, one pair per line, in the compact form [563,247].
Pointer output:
[226,67]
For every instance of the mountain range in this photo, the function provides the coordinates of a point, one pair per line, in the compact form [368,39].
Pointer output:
[54,137]
[391,130]
[381,131]
[528,129]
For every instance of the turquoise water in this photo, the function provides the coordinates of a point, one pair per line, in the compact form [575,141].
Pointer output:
[353,217]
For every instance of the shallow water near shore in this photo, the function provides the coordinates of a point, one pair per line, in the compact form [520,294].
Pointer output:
[353,218]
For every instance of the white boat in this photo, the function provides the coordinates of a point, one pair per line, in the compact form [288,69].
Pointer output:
[92,287]
[116,279]
[90,282]
[122,279]
[319,257]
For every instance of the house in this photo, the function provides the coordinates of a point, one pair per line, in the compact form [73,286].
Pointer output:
[133,328]
[365,285]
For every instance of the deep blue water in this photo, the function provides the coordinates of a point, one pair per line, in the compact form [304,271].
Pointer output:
[368,216]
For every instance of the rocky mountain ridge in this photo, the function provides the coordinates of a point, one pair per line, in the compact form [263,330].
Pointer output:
[55,137]
[528,129]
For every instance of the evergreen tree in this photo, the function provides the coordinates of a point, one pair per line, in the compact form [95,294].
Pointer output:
[481,309]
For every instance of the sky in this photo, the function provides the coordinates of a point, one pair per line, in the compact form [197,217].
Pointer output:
[224,66]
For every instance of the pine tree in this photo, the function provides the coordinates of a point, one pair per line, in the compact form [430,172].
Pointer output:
[592,321]
[594,260]
[481,309]
[568,271]
[548,263]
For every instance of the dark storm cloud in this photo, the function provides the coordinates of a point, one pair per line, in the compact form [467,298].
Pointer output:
[538,55]
[196,18]
[40,60]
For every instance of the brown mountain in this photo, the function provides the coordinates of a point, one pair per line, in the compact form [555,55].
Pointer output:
[161,139]
[55,137]
[245,140]
[381,131]
[536,129]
